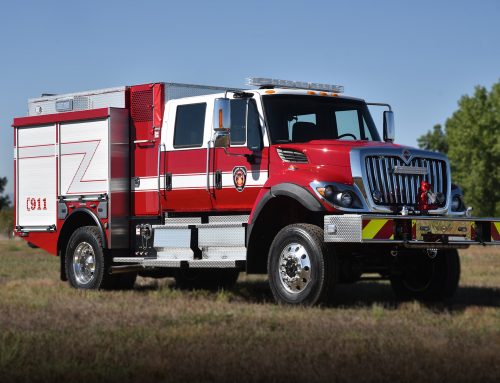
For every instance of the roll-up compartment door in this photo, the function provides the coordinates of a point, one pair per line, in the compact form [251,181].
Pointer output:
[84,158]
[36,191]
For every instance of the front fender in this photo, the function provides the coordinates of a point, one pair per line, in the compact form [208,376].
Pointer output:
[287,189]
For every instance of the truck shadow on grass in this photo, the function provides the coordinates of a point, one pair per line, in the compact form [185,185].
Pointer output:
[357,295]
[366,294]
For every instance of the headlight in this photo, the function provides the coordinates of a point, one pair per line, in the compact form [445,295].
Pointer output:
[457,201]
[340,195]
[344,199]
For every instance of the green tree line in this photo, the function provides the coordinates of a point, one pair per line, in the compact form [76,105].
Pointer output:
[4,200]
[471,139]
[6,213]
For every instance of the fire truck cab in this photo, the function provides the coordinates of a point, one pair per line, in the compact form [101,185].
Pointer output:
[288,179]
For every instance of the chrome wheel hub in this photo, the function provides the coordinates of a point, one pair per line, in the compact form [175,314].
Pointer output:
[84,263]
[294,268]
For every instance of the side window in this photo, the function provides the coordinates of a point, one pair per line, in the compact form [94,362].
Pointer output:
[239,120]
[347,124]
[254,135]
[189,125]
[238,117]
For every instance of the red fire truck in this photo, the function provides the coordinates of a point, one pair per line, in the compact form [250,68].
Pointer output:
[289,179]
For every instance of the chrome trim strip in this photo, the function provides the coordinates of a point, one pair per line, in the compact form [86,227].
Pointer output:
[434,177]
[394,182]
[389,185]
[382,180]
[407,191]
[440,165]
[409,169]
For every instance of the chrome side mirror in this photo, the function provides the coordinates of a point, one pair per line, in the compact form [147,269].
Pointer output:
[389,127]
[222,122]
[222,115]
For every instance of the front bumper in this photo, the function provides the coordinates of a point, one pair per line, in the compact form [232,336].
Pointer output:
[412,231]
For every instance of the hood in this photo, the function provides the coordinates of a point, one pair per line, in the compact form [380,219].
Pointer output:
[334,152]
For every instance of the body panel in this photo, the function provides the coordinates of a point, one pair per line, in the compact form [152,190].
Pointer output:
[77,159]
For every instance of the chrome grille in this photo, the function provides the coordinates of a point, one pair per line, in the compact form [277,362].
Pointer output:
[402,189]
[290,155]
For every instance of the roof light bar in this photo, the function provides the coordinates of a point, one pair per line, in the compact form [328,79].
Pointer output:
[266,82]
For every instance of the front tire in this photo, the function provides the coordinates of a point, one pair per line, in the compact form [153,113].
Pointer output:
[301,269]
[425,278]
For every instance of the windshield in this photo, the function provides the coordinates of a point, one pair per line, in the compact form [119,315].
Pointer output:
[294,118]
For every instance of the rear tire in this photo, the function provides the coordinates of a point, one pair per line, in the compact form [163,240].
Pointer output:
[85,262]
[301,269]
[427,279]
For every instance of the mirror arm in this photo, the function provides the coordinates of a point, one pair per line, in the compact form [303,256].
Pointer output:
[250,157]
[379,104]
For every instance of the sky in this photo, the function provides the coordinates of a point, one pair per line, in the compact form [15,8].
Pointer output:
[419,56]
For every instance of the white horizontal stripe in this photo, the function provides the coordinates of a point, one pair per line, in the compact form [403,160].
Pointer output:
[146,183]
[253,179]
[198,181]
[197,188]
[189,181]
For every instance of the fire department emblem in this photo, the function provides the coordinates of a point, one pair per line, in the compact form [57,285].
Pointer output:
[239,177]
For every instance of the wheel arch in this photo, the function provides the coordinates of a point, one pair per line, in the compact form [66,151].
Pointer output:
[78,218]
[282,205]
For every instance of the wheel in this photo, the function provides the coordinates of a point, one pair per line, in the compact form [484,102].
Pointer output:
[301,270]
[85,262]
[426,276]
[210,279]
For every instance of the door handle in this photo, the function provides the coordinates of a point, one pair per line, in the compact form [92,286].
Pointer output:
[168,181]
[218,179]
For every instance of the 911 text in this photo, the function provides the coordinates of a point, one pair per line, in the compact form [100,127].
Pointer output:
[33,203]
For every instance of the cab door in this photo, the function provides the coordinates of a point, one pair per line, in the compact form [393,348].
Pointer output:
[184,168]
[240,170]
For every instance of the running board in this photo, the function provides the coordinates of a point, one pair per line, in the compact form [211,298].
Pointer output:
[196,263]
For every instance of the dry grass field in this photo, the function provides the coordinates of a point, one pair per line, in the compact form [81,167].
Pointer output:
[156,333]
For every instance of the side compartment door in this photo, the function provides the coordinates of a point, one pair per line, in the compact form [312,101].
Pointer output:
[184,162]
[238,173]
[36,176]
[84,164]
